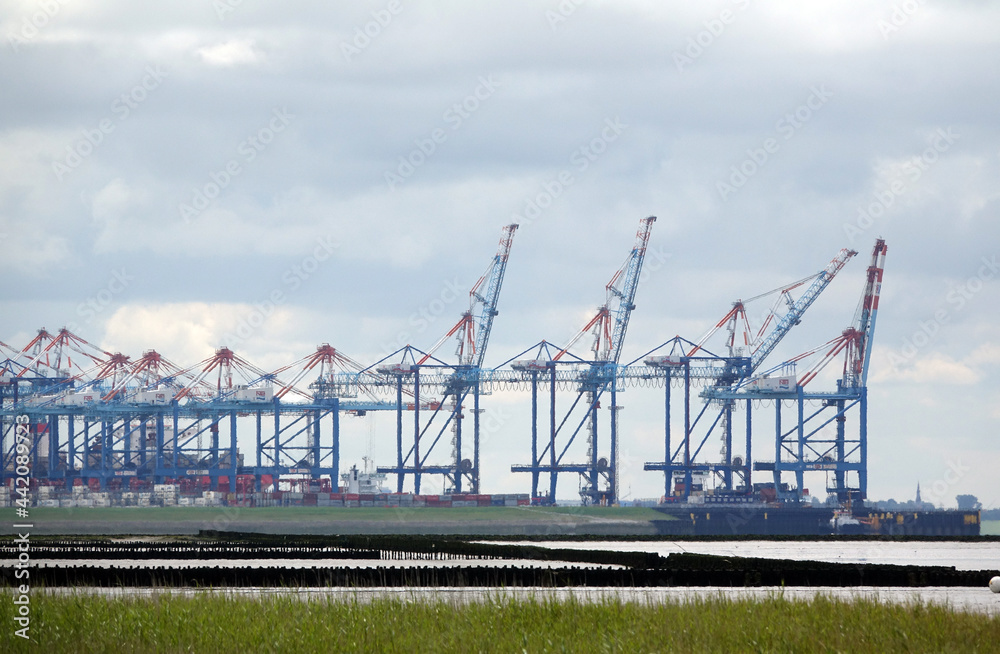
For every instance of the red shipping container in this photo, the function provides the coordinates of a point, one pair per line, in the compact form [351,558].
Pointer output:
[486,502]
[352,496]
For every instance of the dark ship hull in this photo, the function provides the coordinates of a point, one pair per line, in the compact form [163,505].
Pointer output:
[791,520]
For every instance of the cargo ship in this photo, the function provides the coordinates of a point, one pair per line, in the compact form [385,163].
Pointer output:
[777,519]
[785,512]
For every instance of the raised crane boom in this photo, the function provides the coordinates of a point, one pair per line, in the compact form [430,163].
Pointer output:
[624,298]
[798,308]
[483,306]
[864,318]
[611,321]
[473,328]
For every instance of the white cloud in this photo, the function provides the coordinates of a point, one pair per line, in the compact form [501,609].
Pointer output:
[933,368]
[324,177]
[231,53]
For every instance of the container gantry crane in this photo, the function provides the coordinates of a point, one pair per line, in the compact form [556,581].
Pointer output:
[726,375]
[818,439]
[115,419]
[456,382]
[593,377]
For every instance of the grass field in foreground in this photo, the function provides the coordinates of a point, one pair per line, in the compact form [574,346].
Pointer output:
[221,624]
[989,528]
[335,514]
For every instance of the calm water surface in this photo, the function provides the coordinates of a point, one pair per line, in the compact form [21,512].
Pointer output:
[962,556]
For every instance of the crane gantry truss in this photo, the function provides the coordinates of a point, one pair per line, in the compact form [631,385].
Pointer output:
[103,416]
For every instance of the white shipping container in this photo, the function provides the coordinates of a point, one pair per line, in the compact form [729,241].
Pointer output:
[255,394]
[530,364]
[67,503]
[785,383]
[664,360]
[155,397]
[79,399]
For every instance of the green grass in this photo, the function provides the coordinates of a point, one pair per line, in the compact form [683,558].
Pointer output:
[989,528]
[285,623]
[327,514]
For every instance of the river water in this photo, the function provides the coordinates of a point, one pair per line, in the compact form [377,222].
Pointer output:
[961,556]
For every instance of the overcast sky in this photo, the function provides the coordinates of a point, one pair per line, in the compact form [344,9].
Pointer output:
[167,167]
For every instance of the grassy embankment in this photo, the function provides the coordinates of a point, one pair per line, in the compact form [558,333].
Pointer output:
[40,516]
[989,528]
[285,623]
